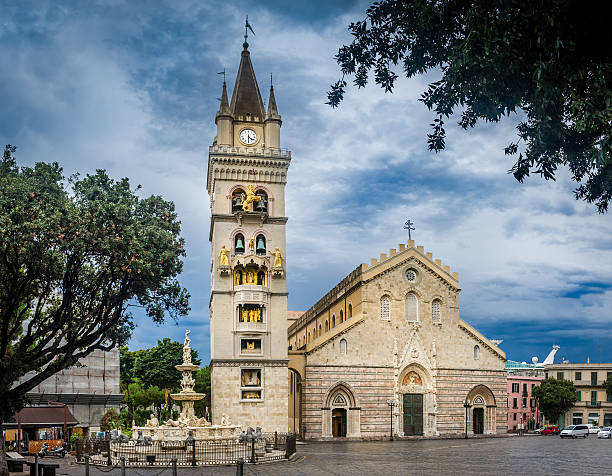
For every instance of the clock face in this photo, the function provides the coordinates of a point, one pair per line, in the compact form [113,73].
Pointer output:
[248,136]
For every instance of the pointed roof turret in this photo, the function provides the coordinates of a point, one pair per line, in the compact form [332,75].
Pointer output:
[224,106]
[246,98]
[272,110]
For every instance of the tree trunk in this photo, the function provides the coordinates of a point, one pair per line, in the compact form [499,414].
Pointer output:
[3,465]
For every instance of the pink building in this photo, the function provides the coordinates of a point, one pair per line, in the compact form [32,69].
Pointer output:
[523,410]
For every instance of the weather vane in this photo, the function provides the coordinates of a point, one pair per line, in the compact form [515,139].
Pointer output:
[247,27]
[408,226]
[223,73]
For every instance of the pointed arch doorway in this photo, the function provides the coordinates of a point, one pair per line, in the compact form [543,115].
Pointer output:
[339,422]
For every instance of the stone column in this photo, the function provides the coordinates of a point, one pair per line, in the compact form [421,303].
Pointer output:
[326,430]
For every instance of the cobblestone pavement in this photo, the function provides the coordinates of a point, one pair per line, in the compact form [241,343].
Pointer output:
[486,456]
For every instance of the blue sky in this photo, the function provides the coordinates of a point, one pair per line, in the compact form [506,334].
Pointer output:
[131,87]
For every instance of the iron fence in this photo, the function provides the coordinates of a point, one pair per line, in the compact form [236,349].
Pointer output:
[102,451]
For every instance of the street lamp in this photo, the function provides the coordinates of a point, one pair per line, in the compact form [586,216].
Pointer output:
[467,404]
[391,404]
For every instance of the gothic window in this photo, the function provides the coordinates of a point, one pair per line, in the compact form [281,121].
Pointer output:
[262,204]
[341,315]
[343,346]
[260,245]
[339,400]
[320,330]
[261,278]
[239,244]
[412,308]
[476,352]
[326,325]
[350,311]
[308,337]
[251,384]
[385,312]
[435,312]
[237,197]
[333,321]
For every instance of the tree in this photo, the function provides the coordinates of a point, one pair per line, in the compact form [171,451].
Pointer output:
[110,420]
[547,58]
[75,256]
[156,366]
[608,386]
[202,385]
[555,397]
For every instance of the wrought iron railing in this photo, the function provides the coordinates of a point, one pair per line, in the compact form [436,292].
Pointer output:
[270,447]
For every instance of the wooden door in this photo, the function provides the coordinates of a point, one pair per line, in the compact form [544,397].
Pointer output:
[413,414]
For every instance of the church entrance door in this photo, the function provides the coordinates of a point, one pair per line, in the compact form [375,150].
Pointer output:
[338,422]
[413,414]
[478,421]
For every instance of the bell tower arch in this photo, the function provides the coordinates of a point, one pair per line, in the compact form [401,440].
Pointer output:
[247,173]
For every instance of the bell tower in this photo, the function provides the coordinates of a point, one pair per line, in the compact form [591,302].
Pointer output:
[247,173]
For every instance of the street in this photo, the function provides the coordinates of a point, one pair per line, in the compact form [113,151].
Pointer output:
[513,455]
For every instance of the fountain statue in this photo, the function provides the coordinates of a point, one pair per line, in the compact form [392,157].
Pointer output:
[187,422]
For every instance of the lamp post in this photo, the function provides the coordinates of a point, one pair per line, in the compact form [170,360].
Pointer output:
[391,404]
[467,404]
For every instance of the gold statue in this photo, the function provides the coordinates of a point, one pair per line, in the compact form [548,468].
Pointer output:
[245,315]
[278,258]
[250,345]
[249,198]
[257,315]
[223,259]
[237,277]
[252,243]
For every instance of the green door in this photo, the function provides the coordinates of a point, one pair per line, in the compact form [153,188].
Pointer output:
[413,414]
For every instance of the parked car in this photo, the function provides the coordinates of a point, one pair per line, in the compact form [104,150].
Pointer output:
[594,429]
[605,432]
[573,431]
[548,430]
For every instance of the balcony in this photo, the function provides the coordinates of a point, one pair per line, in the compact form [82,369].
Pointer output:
[251,327]
[593,404]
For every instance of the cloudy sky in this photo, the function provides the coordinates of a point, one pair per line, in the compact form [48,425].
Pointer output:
[132,87]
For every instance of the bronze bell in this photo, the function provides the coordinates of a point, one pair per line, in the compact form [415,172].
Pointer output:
[239,244]
[261,246]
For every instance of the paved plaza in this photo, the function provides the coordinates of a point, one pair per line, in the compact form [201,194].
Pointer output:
[513,455]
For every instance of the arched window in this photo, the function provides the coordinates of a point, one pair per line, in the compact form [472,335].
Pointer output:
[436,318]
[260,248]
[262,204]
[239,244]
[333,321]
[326,325]
[350,311]
[320,329]
[476,352]
[308,340]
[385,312]
[341,315]
[343,346]
[412,308]
[261,278]
[237,200]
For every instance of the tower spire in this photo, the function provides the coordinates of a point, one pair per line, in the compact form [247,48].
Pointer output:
[224,106]
[246,98]
[272,110]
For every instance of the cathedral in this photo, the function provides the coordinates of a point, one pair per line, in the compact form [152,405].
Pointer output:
[384,351]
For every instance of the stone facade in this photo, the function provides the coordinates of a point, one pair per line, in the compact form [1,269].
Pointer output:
[594,404]
[247,173]
[391,332]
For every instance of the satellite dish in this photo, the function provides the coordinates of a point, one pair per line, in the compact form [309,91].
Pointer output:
[534,360]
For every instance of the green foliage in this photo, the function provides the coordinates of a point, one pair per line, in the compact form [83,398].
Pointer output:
[549,59]
[77,254]
[156,366]
[555,397]
[202,385]
[110,420]
[608,385]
